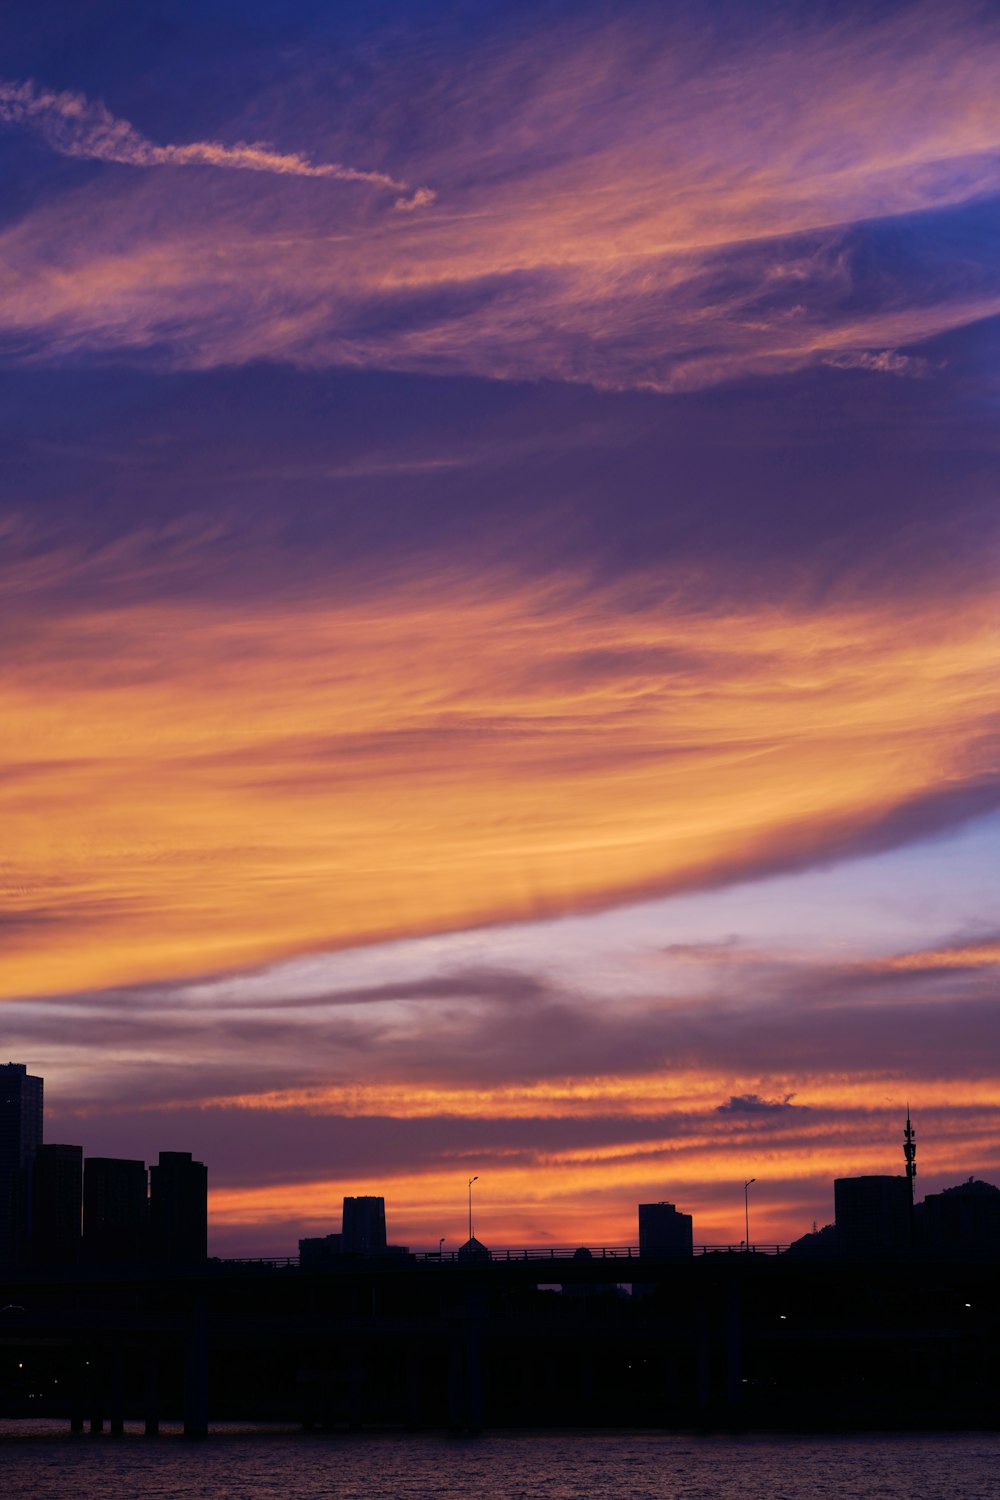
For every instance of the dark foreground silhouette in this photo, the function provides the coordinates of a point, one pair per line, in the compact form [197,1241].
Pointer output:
[719,1341]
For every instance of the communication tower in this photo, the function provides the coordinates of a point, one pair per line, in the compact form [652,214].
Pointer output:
[910,1157]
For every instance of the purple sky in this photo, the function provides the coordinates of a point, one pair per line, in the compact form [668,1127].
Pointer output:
[498,602]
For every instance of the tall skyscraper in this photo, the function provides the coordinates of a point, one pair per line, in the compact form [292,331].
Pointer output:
[364,1226]
[56,1205]
[115,1210]
[20,1137]
[178,1209]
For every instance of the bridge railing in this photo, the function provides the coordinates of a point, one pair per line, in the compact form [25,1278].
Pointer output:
[512,1254]
[599,1252]
[279,1262]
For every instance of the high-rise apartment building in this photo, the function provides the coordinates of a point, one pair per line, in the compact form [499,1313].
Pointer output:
[20,1137]
[178,1209]
[115,1210]
[56,1205]
[873,1216]
[665,1233]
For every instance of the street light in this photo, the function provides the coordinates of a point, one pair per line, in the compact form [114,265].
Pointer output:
[441,1248]
[471,1181]
[746,1208]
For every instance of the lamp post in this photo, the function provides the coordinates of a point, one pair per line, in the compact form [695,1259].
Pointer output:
[746,1209]
[471,1181]
[441,1247]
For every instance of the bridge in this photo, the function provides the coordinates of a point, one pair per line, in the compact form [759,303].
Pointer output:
[721,1339]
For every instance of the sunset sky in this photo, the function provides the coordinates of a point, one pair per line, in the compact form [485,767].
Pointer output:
[500,602]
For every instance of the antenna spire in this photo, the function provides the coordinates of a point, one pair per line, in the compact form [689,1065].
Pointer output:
[910,1157]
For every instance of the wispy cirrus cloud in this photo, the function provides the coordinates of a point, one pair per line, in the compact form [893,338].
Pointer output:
[73,125]
[653,202]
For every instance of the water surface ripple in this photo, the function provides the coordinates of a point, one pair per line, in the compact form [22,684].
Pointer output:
[39,1461]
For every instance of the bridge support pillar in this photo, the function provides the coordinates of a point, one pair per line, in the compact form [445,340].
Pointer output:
[734,1353]
[414,1387]
[474,1379]
[76,1392]
[355,1395]
[456,1373]
[116,1403]
[95,1390]
[585,1388]
[465,1387]
[151,1393]
[703,1364]
[196,1373]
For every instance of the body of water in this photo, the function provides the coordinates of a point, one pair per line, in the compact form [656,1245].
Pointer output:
[43,1462]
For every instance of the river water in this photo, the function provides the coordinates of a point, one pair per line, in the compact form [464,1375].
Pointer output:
[39,1461]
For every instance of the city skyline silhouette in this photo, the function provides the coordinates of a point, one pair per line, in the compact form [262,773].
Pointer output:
[61,1210]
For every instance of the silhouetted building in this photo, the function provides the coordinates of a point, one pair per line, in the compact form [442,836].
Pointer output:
[321,1251]
[962,1221]
[20,1137]
[664,1233]
[115,1210]
[473,1249]
[872,1215]
[363,1226]
[57,1205]
[178,1209]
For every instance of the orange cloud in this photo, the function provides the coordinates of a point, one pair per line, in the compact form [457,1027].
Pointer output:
[964,956]
[188,791]
[637,1096]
